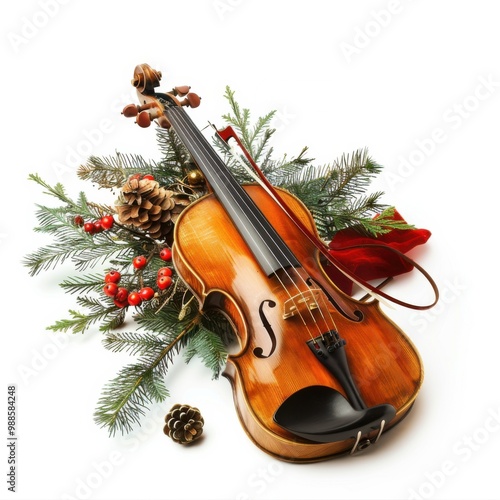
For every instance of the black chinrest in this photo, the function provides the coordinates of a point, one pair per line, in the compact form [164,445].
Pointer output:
[324,415]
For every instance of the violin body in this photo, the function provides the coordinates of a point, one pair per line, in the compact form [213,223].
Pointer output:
[274,360]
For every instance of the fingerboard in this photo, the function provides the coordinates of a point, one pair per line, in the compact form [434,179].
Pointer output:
[264,242]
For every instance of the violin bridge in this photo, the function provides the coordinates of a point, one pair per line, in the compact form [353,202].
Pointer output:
[305,300]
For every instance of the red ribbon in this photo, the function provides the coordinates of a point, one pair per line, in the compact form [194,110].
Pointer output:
[353,250]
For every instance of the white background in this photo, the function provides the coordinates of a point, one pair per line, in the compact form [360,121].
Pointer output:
[417,82]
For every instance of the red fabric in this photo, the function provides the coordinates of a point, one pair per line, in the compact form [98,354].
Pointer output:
[372,263]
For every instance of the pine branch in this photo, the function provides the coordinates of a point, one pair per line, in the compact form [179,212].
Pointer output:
[133,343]
[112,172]
[99,251]
[73,244]
[70,241]
[50,256]
[285,172]
[351,175]
[208,346]
[256,138]
[218,323]
[166,318]
[385,222]
[80,322]
[54,221]
[175,157]
[83,284]
[125,398]
[261,135]
[357,213]
[113,321]
[57,191]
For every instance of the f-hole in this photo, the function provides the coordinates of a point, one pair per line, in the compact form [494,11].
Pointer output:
[258,351]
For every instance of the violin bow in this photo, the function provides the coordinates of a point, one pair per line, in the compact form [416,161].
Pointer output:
[229,133]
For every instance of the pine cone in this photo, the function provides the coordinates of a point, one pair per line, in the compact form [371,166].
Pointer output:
[184,424]
[145,204]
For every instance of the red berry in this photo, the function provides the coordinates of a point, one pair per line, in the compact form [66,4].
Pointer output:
[146,293]
[112,277]
[121,303]
[164,282]
[79,220]
[107,221]
[139,262]
[110,289]
[134,299]
[149,177]
[121,295]
[164,271]
[89,227]
[98,227]
[166,254]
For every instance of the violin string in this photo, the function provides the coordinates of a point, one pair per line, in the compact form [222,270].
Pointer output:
[323,299]
[202,151]
[206,147]
[238,158]
[209,152]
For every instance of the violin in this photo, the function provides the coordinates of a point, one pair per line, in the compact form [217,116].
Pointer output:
[317,373]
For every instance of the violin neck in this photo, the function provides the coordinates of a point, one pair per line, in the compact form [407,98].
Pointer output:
[264,242]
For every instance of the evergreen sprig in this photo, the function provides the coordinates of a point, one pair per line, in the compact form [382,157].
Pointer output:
[125,398]
[112,172]
[171,323]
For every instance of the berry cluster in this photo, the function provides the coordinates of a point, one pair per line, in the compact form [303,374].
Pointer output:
[122,297]
[164,276]
[103,224]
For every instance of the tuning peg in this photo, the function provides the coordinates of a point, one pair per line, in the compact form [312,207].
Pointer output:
[130,110]
[181,91]
[193,100]
[143,119]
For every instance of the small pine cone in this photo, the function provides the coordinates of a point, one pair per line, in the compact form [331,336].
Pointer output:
[184,424]
[146,205]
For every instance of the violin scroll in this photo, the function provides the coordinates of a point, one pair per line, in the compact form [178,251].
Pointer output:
[145,80]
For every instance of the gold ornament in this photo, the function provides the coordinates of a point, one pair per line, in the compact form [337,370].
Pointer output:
[195,177]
